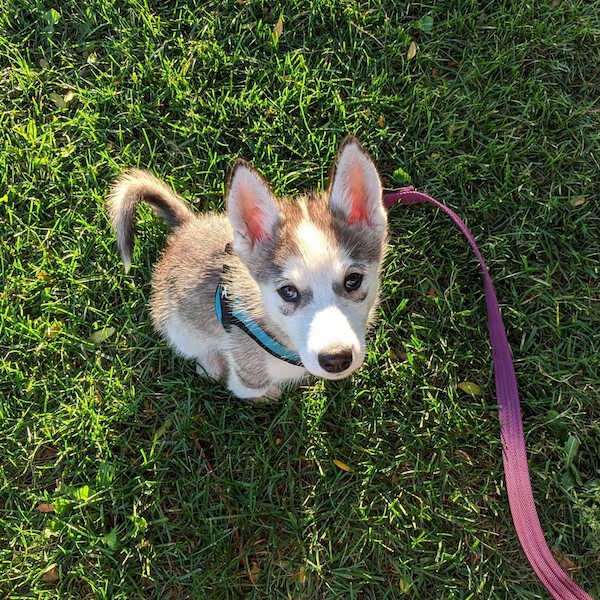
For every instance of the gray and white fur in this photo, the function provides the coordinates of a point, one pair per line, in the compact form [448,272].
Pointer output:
[315,248]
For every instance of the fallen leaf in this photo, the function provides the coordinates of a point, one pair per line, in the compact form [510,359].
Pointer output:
[470,388]
[69,97]
[578,201]
[43,63]
[278,441]
[42,275]
[53,329]
[342,466]
[301,576]
[381,121]
[565,562]
[102,335]
[46,454]
[465,456]
[44,507]
[58,100]
[367,112]
[278,29]
[412,51]
[51,575]
[405,585]
[399,356]
[253,572]
[431,293]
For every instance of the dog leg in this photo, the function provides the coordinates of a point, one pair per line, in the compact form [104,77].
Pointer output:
[210,364]
[240,389]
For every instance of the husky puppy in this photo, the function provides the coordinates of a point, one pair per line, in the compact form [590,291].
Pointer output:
[274,290]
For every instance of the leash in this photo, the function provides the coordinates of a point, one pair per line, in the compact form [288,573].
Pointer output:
[514,456]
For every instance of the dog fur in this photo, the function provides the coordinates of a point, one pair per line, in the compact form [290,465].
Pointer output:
[312,244]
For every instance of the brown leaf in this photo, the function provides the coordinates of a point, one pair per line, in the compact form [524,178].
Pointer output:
[343,466]
[412,51]
[253,572]
[400,356]
[44,507]
[278,29]
[42,275]
[565,562]
[465,456]
[51,575]
[53,329]
[301,576]
[404,585]
[278,441]
[431,293]
[367,112]
[381,121]
[578,201]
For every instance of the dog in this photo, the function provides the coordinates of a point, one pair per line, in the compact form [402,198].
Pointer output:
[277,289]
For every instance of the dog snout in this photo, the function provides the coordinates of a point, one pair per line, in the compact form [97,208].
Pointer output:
[335,359]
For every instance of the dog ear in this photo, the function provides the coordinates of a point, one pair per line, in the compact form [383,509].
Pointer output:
[251,207]
[355,191]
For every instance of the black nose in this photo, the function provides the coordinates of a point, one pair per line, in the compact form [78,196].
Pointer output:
[335,360]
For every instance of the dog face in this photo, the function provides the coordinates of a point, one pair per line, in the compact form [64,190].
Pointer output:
[317,260]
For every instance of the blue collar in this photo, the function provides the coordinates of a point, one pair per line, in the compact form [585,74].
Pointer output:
[231,313]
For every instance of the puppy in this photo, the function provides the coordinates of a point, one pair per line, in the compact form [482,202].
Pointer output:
[274,290]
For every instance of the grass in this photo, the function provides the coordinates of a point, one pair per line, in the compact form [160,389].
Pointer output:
[165,487]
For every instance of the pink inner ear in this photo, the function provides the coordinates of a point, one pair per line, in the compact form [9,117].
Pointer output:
[253,217]
[357,197]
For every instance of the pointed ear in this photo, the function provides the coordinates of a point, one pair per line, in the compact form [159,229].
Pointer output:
[355,191]
[252,208]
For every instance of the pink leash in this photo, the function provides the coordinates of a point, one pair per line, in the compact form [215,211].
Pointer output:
[516,472]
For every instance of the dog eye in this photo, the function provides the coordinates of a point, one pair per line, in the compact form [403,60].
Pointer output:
[353,281]
[289,293]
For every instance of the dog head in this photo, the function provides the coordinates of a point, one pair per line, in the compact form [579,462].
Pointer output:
[317,260]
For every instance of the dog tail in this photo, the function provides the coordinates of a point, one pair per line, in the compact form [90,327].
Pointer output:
[125,195]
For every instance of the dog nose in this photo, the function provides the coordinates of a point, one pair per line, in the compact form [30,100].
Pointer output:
[335,360]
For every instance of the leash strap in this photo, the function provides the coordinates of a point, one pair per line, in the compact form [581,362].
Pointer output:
[516,471]
[230,314]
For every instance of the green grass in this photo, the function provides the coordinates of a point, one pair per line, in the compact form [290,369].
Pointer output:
[164,486]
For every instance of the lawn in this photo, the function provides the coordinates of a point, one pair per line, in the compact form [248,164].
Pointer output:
[125,475]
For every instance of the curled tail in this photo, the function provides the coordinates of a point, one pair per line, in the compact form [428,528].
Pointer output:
[125,195]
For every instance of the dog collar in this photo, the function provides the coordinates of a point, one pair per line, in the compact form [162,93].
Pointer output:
[229,313]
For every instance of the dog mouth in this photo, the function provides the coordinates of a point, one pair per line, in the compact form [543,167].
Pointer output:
[337,376]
